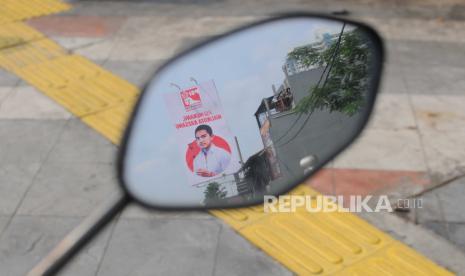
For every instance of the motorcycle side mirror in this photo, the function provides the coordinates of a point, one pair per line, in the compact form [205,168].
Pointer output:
[253,112]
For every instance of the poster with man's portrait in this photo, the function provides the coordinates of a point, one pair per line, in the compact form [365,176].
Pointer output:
[206,142]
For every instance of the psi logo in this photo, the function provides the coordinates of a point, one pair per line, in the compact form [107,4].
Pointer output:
[191,98]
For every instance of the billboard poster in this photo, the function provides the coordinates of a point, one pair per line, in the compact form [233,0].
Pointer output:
[205,141]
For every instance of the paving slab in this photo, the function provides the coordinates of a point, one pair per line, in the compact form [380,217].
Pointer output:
[427,242]
[27,239]
[8,80]
[443,154]
[451,199]
[69,189]
[182,8]
[83,26]
[27,140]
[5,91]
[350,182]
[434,79]
[441,113]
[75,44]
[457,234]
[84,34]
[418,29]
[15,180]
[413,53]
[136,211]
[236,256]
[136,72]
[439,228]
[386,106]
[3,222]
[162,35]
[88,261]
[161,247]
[384,149]
[431,209]
[25,102]
[147,43]
[442,212]
[81,144]
[98,51]
[392,82]
[438,118]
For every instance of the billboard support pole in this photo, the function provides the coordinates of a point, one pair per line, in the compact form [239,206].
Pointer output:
[239,150]
[194,81]
[175,85]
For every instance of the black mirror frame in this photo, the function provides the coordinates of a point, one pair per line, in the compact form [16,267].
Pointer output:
[378,58]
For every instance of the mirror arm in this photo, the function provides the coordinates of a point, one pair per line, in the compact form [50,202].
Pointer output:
[80,235]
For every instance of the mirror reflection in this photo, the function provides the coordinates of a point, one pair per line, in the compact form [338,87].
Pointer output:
[250,114]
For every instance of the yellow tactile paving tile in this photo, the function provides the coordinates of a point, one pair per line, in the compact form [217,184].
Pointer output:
[16,10]
[78,84]
[327,243]
[36,52]
[306,243]
[17,33]
[75,82]
[111,122]
[394,259]
[238,218]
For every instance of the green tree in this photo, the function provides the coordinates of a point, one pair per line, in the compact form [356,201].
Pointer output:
[257,172]
[214,193]
[345,81]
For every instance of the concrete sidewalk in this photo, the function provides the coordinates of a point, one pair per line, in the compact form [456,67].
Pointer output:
[55,170]
[442,212]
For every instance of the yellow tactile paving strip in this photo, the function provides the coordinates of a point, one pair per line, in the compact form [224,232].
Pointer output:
[81,86]
[333,243]
[306,243]
[14,34]
[15,10]
[111,122]
[90,92]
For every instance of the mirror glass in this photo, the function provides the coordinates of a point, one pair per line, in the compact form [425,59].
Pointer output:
[251,113]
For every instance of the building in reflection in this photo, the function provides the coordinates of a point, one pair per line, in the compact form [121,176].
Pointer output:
[295,143]
[291,139]
[278,124]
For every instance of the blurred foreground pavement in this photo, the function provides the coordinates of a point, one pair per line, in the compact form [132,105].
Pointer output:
[55,170]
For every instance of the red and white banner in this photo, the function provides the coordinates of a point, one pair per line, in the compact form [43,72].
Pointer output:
[205,140]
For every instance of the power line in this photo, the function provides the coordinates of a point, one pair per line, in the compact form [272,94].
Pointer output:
[300,115]
[333,58]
